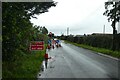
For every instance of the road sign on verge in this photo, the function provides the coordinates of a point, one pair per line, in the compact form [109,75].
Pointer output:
[36,45]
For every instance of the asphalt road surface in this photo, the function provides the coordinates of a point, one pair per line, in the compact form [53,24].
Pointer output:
[70,61]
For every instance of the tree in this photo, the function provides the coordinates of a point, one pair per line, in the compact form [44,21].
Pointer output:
[113,14]
[16,26]
[44,30]
[18,32]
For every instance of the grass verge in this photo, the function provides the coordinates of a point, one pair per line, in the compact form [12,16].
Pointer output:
[100,50]
[26,67]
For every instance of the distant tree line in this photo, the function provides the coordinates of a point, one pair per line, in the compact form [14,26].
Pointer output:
[95,40]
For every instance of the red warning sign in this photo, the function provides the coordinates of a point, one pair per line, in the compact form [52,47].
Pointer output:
[37,45]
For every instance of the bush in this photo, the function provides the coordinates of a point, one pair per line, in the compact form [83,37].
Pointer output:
[101,40]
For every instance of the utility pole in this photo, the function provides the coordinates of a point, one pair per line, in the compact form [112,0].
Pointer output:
[119,27]
[67,31]
[104,29]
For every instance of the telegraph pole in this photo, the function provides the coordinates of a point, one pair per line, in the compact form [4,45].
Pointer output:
[67,31]
[104,29]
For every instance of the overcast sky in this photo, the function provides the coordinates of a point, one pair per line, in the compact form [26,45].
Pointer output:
[81,16]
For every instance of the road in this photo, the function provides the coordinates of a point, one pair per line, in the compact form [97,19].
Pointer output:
[70,61]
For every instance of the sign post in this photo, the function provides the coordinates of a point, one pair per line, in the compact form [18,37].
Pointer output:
[36,45]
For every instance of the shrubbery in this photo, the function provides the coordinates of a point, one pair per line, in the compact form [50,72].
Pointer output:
[100,40]
[17,33]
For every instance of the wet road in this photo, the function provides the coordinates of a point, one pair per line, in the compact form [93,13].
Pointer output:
[70,61]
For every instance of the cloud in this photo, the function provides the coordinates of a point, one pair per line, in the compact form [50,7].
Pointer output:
[81,16]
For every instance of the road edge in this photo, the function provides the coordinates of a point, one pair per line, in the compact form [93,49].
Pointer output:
[108,56]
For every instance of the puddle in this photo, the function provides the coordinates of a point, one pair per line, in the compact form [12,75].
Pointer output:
[43,66]
[49,66]
[52,66]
